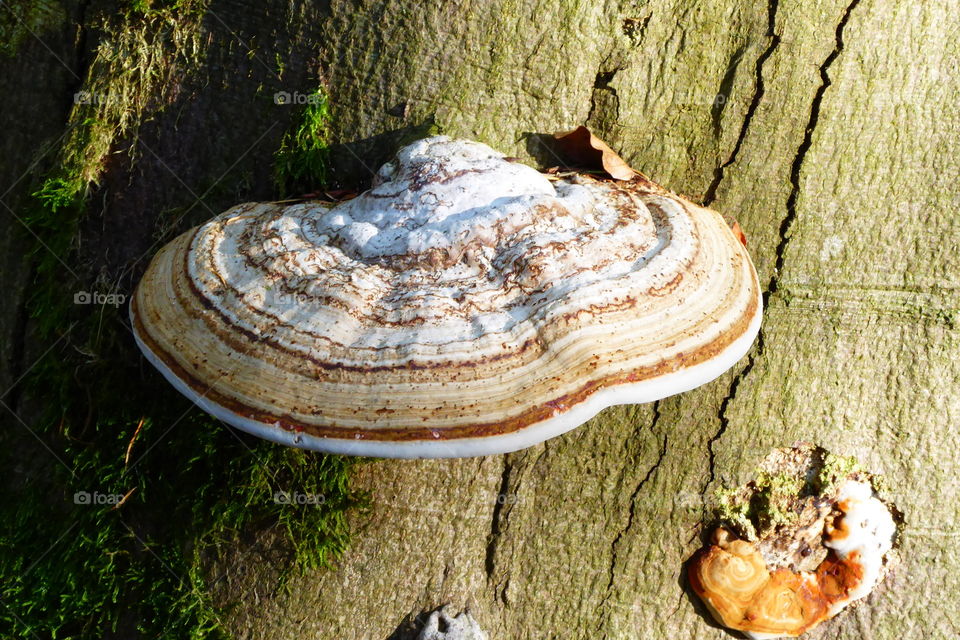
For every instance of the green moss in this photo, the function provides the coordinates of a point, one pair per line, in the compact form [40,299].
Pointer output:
[303,161]
[22,20]
[137,66]
[193,486]
[776,498]
[776,494]
[163,7]
[59,193]
[764,505]
[733,509]
[835,469]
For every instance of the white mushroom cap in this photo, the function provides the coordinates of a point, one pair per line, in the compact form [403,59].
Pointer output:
[465,305]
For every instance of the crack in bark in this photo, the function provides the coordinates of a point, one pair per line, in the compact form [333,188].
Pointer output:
[825,83]
[784,231]
[495,527]
[632,511]
[677,607]
[512,472]
[602,83]
[758,92]
[18,361]
[725,90]
[722,412]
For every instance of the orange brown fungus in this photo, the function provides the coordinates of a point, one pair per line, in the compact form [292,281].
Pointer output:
[836,578]
[732,579]
[786,603]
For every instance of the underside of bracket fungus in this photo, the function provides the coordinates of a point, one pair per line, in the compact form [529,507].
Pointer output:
[819,540]
[465,305]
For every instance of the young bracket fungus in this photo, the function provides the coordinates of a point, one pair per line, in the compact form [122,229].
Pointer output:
[832,549]
[465,305]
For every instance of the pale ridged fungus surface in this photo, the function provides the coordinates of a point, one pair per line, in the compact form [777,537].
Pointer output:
[465,305]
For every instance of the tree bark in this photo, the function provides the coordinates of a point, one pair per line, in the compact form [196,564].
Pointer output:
[829,129]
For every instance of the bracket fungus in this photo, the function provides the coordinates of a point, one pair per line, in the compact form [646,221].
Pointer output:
[832,551]
[465,305]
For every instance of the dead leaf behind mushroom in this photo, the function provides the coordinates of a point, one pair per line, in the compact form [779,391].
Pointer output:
[736,229]
[588,151]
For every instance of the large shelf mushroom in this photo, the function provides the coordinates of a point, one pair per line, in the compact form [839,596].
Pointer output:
[465,305]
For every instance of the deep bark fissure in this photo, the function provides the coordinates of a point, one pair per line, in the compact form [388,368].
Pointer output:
[601,83]
[512,473]
[17,363]
[18,356]
[632,512]
[727,399]
[801,153]
[495,528]
[758,92]
[786,223]
[725,90]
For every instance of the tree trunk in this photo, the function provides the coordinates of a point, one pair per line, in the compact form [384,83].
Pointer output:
[829,129]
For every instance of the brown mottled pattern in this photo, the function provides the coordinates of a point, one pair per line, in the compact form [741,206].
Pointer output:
[733,580]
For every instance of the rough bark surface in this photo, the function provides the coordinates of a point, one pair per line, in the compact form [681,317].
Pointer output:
[829,128]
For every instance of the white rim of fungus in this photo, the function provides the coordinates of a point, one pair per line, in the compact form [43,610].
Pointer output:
[638,393]
[453,264]
[870,530]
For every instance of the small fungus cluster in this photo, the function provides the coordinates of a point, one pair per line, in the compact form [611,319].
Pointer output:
[803,570]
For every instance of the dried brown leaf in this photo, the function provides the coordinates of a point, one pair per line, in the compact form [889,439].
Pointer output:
[590,152]
[736,229]
[738,233]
